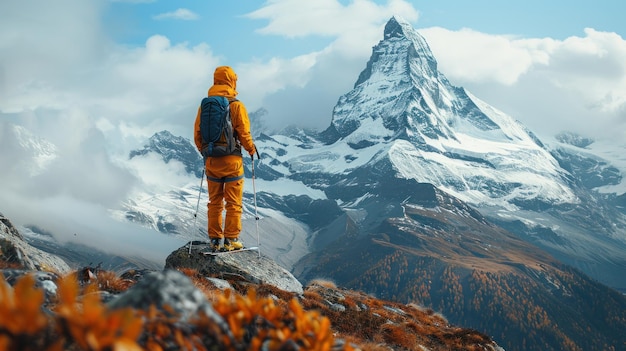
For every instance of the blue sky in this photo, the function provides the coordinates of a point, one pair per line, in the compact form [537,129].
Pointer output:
[99,77]
[133,22]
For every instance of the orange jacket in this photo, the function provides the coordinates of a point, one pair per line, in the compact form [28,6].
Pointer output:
[224,84]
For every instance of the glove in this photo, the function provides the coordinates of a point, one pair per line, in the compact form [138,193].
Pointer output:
[204,156]
[256,151]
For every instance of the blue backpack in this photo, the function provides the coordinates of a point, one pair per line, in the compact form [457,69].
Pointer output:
[216,128]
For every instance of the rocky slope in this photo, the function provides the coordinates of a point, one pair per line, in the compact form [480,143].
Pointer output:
[239,301]
[15,251]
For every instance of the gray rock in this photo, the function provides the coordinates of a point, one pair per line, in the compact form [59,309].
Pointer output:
[246,265]
[220,283]
[167,288]
[337,307]
[173,289]
[46,281]
[14,249]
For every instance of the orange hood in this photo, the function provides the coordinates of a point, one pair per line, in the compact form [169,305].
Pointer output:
[224,82]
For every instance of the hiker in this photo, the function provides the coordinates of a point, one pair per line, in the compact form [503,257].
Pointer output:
[225,173]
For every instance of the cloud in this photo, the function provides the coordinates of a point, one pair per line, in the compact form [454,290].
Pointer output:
[94,100]
[148,87]
[179,14]
[468,55]
[44,41]
[294,19]
[303,91]
[78,165]
[69,219]
[78,184]
[576,84]
[594,66]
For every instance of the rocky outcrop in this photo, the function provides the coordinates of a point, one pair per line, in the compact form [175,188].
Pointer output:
[47,281]
[175,294]
[17,252]
[246,265]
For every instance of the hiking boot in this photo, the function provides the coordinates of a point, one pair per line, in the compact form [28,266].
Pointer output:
[232,244]
[215,244]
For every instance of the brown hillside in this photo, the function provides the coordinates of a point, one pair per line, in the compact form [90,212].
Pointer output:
[259,317]
[479,276]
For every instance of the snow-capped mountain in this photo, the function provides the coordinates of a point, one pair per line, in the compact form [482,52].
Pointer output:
[407,112]
[414,167]
[404,120]
[169,147]
[32,154]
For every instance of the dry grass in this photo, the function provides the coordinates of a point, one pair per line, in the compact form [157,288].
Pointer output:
[376,324]
[257,315]
[80,321]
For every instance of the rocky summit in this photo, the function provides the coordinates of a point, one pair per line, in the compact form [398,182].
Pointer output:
[249,266]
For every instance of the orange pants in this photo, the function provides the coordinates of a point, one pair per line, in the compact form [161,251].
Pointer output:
[225,183]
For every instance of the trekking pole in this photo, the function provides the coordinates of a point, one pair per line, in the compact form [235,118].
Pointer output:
[195,215]
[256,214]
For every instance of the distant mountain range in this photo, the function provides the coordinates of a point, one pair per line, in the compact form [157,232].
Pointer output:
[419,191]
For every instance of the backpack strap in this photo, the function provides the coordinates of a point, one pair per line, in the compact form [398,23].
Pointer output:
[230,101]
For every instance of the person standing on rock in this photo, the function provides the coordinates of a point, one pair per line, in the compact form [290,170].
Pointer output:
[224,162]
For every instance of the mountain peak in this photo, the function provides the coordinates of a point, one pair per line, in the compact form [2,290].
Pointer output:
[395,27]
[406,111]
[400,40]
[574,139]
[171,147]
[37,153]
[402,87]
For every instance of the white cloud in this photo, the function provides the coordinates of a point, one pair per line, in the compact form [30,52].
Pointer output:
[61,78]
[179,14]
[595,67]
[46,41]
[147,81]
[274,75]
[292,18]
[69,219]
[468,55]
[154,85]
[576,84]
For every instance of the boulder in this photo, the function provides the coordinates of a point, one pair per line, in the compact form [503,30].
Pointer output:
[245,265]
[173,293]
[165,288]
[47,281]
